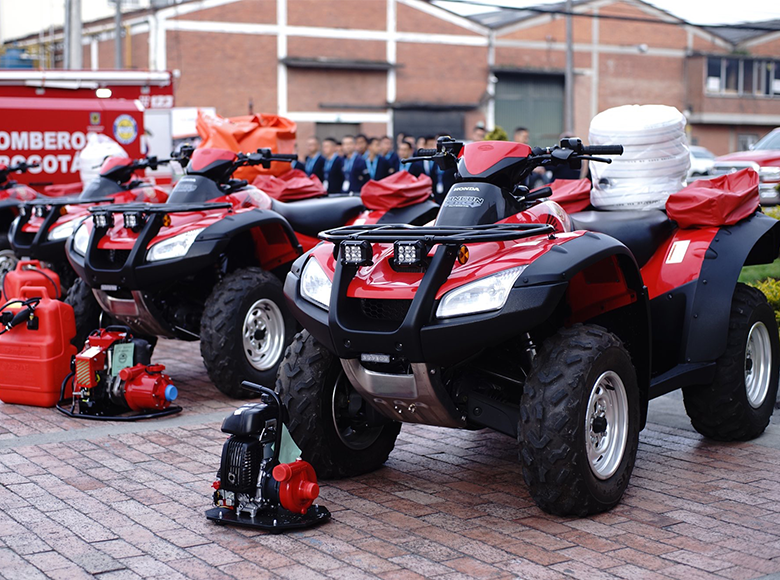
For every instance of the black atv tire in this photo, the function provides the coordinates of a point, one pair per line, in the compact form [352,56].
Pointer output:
[307,380]
[222,330]
[8,259]
[722,410]
[86,310]
[556,424]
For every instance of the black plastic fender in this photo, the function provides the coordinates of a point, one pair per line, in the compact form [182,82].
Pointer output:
[755,240]
[563,262]
[233,224]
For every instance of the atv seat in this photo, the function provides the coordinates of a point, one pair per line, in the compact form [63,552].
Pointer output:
[311,216]
[642,232]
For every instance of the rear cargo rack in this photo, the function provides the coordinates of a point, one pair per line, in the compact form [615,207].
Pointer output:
[430,235]
[150,208]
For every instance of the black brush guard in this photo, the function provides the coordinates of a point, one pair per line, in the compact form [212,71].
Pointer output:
[350,339]
[40,247]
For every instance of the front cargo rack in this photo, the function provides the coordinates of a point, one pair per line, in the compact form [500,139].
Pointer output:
[149,208]
[431,235]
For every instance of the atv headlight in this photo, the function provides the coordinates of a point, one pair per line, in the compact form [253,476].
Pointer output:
[63,231]
[81,240]
[489,293]
[174,247]
[315,284]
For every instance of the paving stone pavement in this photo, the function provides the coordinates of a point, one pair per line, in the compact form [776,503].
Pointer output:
[80,499]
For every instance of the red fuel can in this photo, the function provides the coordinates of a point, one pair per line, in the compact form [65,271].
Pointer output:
[31,273]
[35,357]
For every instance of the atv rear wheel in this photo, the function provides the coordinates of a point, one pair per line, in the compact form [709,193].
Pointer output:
[579,422]
[244,331]
[738,404]
[86,310]
[337,431]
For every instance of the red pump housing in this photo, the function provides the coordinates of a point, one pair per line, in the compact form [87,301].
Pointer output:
[297,485]
[147,387]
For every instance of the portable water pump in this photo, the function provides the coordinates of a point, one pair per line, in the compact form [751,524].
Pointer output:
[253,489]
[113,375]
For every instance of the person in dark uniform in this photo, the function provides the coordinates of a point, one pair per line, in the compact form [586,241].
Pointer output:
[315,162]
[354,167]
[386,150]
[361,144]
[377,166]
[333,166]
[405,150]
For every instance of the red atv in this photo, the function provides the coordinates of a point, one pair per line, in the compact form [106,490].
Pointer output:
[207,265]
[45,223]
[11,195]
[554,329]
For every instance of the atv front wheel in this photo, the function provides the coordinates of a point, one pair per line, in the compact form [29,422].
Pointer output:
[8,259]
[244,331]
[738,404]
[86,310]
[579,422]
[337,431]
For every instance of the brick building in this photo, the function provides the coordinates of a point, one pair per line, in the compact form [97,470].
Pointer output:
[384,66]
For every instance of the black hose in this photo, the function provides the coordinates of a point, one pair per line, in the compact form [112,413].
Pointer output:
[58,291]
[72,413]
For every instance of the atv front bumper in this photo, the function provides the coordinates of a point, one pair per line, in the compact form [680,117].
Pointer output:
[128,269]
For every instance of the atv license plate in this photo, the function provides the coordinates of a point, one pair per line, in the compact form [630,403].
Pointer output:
[109,287]
[374,358]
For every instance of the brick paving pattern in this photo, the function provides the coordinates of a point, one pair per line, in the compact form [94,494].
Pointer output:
[80,499]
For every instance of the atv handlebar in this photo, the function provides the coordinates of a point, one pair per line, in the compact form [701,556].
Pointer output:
[603,150]
[263,157]
[21,167]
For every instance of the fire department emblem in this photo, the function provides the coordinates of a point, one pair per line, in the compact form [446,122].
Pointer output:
[125,129]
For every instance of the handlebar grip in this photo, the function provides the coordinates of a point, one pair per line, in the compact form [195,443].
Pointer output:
[284,157]
[426,152]
[603,150]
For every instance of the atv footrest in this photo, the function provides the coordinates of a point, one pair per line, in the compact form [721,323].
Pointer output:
[274,520]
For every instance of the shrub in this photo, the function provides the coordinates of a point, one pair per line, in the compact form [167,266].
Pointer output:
[771,289]
[497,134]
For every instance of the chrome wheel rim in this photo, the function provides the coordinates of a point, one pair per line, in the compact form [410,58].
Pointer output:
[758,364]
[263,334]
[346,405]
[8,261]
[606,425]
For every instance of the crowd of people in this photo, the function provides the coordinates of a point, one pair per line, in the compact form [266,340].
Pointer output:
[346,166]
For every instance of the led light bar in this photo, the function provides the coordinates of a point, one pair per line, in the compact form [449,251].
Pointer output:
[133,220]
[409,253]
[356,253]
[103,220]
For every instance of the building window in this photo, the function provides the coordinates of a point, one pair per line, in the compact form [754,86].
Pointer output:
[742,76]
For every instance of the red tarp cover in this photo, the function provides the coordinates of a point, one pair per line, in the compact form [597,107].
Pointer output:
[722,201]
[572,195]
[246,134]
[397,190]
[290,186]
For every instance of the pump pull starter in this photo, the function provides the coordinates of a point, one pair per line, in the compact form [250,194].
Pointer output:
[253,489]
